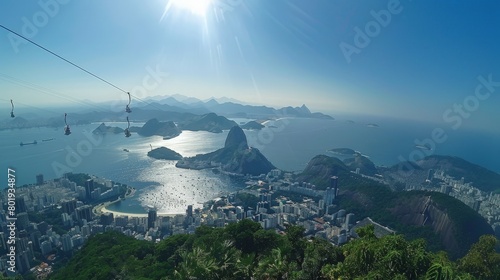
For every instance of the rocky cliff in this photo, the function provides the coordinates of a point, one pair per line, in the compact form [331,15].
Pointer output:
[236,157]
[457,226]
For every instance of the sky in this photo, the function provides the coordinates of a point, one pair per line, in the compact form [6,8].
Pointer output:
[419,60]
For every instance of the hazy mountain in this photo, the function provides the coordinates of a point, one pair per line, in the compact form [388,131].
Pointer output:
[177,108]
[155,127]
[224,99]
[208,122]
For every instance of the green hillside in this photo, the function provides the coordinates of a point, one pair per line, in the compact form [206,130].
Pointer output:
[455,229]
[245,251]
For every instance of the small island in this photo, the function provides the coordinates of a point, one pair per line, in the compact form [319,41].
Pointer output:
[164,153]
[104,129]
[166,129]
[252,125]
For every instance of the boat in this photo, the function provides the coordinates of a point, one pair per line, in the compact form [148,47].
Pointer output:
[45,140]
[423,147]
[126,150]
[31,143]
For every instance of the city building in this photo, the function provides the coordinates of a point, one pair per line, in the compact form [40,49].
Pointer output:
[84,213]
[39,179]
[151,218]
[67,243]
[89,188]
[68,206]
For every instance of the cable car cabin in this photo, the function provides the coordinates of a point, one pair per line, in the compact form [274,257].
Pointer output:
[127,133]
[67,131]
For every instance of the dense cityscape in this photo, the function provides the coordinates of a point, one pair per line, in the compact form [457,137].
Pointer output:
[56,217]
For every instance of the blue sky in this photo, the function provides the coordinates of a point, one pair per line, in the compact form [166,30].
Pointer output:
[416,65]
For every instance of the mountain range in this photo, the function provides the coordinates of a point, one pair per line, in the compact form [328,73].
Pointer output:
[175,108]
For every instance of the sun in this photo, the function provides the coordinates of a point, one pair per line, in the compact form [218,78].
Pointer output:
[197,7]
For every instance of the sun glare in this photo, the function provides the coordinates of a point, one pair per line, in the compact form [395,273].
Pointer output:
[197,7]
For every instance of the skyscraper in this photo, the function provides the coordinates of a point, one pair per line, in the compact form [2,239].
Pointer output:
[151,218]
[68,206]
[20,205]
[39,179]
[22,220]
[84,212]
[89,188]
[349,221]
[107,218]
[46,247]
[334,185]
[329,197]
[331,192]
[67,243]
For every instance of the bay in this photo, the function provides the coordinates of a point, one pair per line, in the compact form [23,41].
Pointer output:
[288,143]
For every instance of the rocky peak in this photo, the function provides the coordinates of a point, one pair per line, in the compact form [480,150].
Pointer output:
[236,139]
[305,110]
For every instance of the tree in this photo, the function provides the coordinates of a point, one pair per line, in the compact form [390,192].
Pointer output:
[197,264]
[242,234]
[390,257]
[439,271]
[274,266]
[294,235]
[167,247]
[366,231]
[265,241]
[482,261]
[318,253]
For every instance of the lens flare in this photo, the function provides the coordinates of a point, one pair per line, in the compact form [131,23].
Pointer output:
[197,7]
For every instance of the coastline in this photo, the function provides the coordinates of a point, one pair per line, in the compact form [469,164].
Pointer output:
[101,208]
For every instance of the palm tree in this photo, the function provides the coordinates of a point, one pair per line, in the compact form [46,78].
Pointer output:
[197,264]
[274,266]
[439,271]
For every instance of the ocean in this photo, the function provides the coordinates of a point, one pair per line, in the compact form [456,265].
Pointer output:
[288,143]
